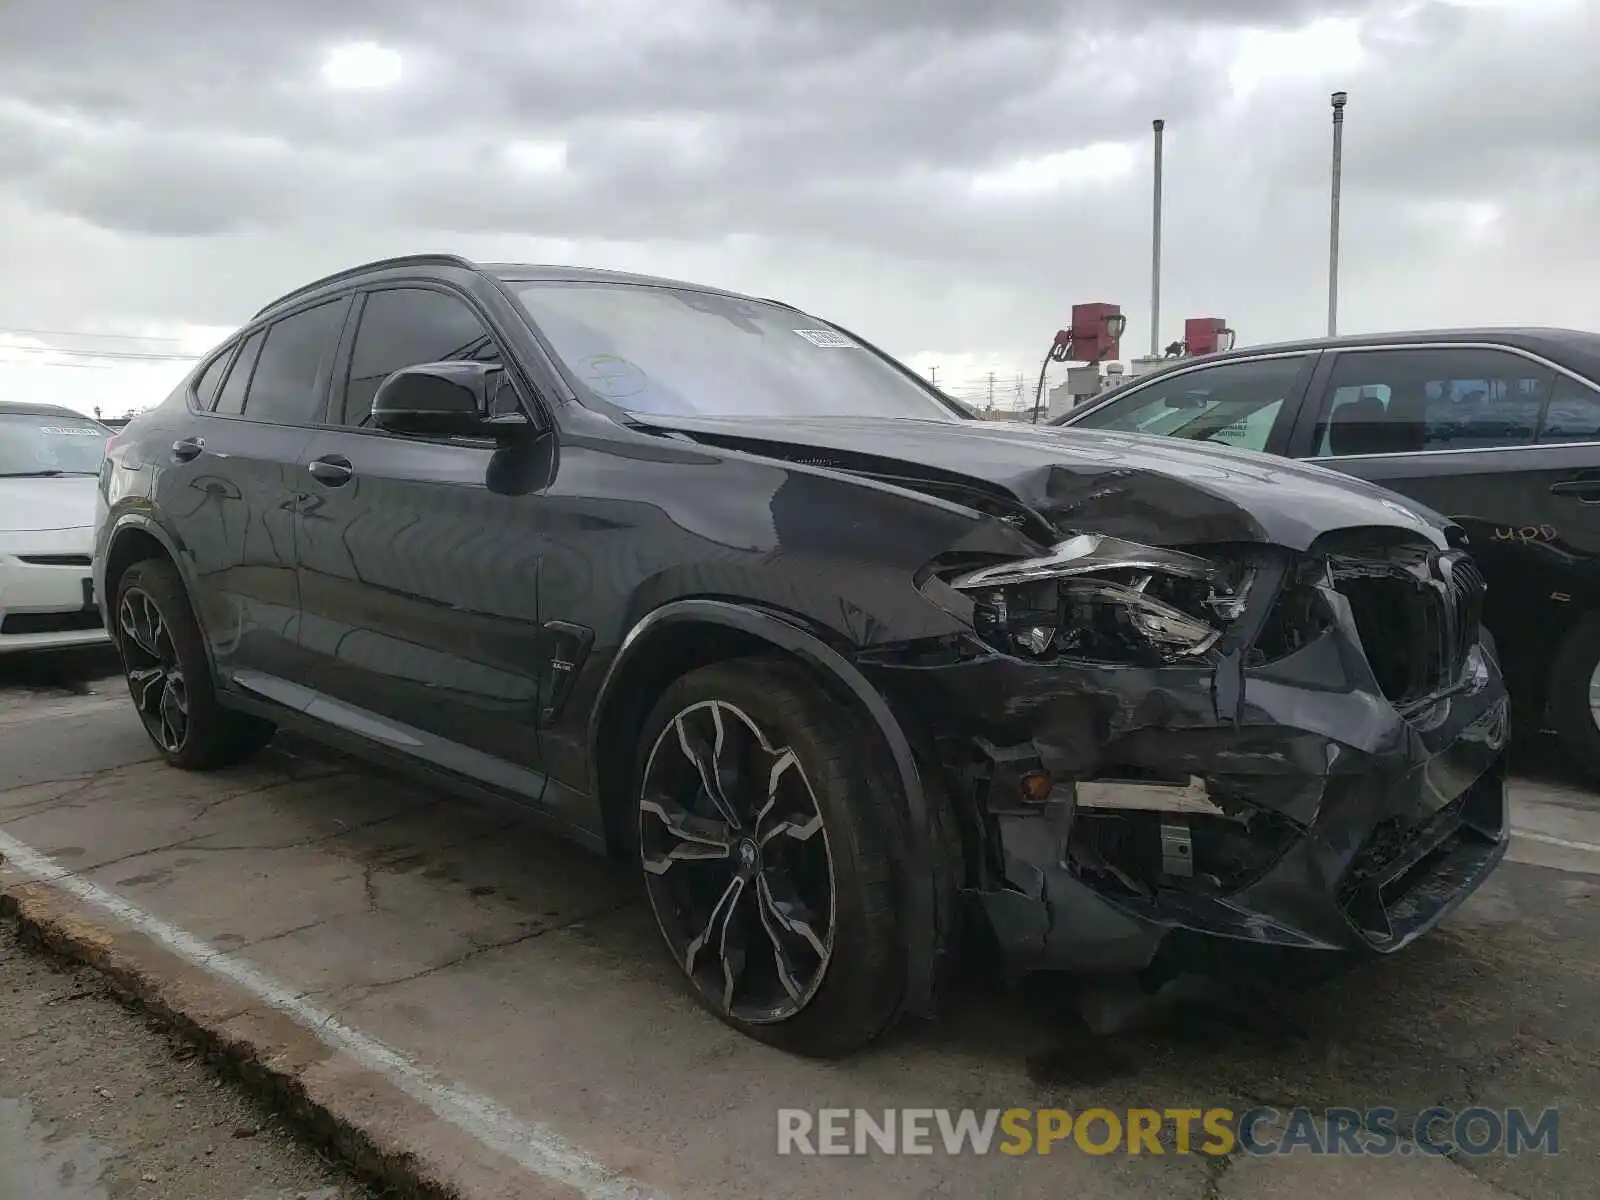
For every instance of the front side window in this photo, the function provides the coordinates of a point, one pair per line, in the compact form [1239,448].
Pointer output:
[680,352]
[1437,398]
[1233,404]
[46,444]
[404,327]
[294,361]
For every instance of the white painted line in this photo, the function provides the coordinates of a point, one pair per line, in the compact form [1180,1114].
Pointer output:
[537,1148]
[1550,839]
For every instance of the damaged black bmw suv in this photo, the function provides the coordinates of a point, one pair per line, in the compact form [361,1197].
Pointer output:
[721,588]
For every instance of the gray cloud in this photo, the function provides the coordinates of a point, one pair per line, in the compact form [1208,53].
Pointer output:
[185,160]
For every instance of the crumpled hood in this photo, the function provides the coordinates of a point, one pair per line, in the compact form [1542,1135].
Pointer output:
[1160,491]
[58,502]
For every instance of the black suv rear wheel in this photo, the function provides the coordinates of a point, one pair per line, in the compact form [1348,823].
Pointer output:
[164,661]
[765,838]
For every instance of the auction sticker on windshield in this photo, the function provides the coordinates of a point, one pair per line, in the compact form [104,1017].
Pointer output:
[826,338]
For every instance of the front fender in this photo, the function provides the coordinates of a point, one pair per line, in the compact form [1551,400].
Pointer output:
[919,894]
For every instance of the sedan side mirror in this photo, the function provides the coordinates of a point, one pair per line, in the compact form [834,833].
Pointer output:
[443,399]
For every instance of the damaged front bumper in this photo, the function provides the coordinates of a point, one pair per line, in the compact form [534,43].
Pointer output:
[1340,795]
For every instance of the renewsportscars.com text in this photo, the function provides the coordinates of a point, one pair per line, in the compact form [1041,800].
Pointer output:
[1211,1131]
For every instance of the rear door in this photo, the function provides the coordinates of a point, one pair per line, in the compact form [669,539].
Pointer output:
[1501,442]
[227,490]
[1249,403]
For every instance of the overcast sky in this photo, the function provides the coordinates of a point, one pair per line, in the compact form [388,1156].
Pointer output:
[946,176]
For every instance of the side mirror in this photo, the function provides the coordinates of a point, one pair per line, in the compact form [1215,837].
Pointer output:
[443,399]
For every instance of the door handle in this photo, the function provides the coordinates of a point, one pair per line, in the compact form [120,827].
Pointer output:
[186,449]
[332,469]
[1586,488]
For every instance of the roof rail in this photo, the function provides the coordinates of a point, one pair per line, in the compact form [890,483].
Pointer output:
[404,260]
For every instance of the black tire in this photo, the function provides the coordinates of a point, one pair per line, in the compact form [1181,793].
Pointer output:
[1571,715]
[169,677]
[818,992]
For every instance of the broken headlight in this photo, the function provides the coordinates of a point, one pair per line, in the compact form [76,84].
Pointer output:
[1105,600]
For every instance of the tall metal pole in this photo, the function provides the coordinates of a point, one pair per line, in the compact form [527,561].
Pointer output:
[1155,250]
[1339,99]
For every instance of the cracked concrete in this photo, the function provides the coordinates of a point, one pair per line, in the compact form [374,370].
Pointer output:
[504,961]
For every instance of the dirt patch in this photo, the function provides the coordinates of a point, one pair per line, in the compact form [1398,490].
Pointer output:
[96,1102]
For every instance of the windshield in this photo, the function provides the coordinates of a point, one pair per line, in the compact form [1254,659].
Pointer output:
[677,352]
[34,444]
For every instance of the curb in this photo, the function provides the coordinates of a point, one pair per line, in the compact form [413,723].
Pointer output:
[384,1136]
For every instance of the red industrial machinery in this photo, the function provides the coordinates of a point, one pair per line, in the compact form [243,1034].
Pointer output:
[1206,335]
[1094,337]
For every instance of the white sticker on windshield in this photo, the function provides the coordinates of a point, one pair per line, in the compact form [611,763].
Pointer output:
[69,431]
[826,338]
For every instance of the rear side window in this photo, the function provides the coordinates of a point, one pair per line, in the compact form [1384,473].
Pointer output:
[230,401]
[205,387]
[402,327]
[1439,398]
[1574,412]
[288,383]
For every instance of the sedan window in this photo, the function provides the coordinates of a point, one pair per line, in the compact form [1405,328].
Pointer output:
[1433,398]
[1235,404]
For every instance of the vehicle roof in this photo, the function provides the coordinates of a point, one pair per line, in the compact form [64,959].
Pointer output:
[1576,349]
[1541,339]
[17,408]
[505,272]
[553,273]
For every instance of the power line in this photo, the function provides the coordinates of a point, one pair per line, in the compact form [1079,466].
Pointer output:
[109,355]
[70,366]
[82,333]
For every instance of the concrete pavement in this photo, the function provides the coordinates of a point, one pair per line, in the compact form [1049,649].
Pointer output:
[459,996]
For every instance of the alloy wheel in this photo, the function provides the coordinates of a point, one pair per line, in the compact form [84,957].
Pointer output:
[155,674]
[737,863]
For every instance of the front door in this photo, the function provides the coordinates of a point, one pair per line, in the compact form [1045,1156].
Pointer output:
[418,569]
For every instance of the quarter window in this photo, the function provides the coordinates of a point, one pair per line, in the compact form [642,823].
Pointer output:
[1234,404]
[402,327]
[1441,398]
[230,401]
[205,387]
[287,386]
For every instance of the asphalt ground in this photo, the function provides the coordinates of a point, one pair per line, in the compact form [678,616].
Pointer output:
[441,994]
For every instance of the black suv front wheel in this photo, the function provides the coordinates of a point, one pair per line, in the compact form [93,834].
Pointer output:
[765,841]
[164,661]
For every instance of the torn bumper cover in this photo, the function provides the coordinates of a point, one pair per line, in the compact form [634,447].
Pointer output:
[1321,767]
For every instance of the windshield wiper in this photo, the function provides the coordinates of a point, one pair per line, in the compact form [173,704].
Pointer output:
[46,473]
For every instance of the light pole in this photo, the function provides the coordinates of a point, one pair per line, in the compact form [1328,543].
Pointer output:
[1155,249]
[1339,99]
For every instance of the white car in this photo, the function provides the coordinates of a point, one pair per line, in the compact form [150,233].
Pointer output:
[49,471]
